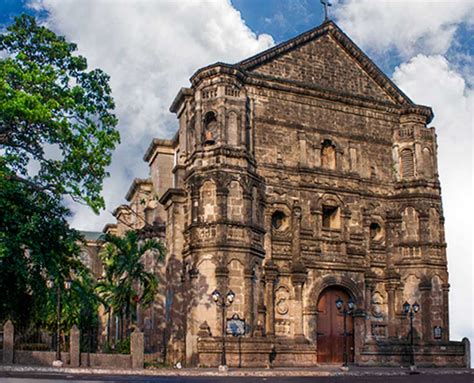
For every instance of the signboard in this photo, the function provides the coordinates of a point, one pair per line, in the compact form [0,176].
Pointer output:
[437,332]
[235,326]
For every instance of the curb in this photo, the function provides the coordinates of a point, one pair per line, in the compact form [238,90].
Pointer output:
[234,372]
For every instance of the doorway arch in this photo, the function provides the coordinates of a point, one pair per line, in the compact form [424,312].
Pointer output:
[330,327]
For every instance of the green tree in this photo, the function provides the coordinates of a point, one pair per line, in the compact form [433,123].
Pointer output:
[55,114]
[57,134]
[126,281]
[36,244]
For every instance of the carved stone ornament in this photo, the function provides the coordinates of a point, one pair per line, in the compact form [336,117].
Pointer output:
[282,306]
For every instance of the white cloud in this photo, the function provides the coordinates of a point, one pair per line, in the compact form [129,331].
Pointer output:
[409,27]
[431,80]
[420,32]
[150,49]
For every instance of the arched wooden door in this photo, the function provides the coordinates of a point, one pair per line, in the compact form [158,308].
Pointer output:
[330,327]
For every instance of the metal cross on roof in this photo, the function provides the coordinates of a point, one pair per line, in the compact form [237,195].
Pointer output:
[326,4]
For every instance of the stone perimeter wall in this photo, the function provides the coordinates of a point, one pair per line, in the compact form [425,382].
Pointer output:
[72,358]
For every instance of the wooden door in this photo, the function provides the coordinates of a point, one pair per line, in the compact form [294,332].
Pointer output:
[330,335]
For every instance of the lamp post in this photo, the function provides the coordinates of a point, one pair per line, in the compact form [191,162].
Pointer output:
[223,303]
[345,310]
[411,310]
[67,286]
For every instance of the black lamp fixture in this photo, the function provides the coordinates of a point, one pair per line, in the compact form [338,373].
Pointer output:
[223,303]
[345,310]
[411,310]
[50,284]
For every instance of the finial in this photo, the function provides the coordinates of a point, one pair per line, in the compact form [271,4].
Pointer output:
[326,4]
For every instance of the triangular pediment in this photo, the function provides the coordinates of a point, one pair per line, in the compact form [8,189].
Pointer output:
[326,58]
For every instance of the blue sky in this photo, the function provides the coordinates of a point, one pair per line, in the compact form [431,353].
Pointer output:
[151,48]
[284,19]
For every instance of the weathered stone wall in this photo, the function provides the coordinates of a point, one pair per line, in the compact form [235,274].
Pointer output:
[299,170]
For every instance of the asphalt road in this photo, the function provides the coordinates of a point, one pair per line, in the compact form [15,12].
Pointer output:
[60,378]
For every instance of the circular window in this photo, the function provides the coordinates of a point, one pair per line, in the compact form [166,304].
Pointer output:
[279,221]
[376,232]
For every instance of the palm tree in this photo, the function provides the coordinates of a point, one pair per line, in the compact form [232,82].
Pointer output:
[125,281]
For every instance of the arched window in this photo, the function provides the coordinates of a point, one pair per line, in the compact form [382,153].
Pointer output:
[407,166]
[328,155]
[210,128]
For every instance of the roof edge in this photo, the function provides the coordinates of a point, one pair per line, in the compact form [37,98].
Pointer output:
[137,182]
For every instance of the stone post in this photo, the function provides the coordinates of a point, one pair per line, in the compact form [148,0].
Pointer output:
[74,347]
[137,349]
[467,352]
[8,342]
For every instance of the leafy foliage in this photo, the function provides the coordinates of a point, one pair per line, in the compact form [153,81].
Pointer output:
[55,117]
[36,244]
[126,281]
[55,114]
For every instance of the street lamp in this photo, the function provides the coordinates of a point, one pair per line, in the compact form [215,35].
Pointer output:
[223,303]
[345,310]
[411,310]
[67,286]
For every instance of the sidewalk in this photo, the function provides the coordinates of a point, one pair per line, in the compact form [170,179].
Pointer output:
[257,372]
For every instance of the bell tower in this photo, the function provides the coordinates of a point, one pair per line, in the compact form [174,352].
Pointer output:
[223,234]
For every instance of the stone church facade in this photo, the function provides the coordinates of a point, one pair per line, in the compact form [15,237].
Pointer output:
[296,177]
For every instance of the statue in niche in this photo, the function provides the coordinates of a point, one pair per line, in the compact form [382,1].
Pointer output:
[210,128]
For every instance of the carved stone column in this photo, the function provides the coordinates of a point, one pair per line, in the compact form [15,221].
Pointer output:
[392,282]
[295,244]
[195,205]
[221,196]
[298,278]
[271,273]
[302,148]
[425,289]
[247,197]
[369,291]
[359,319]
[310,318]
[222,279]
[249,298]
[394,221]
[446,311]
[339,157]
[424,219]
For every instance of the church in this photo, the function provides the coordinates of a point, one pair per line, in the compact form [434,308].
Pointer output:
[301,192]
